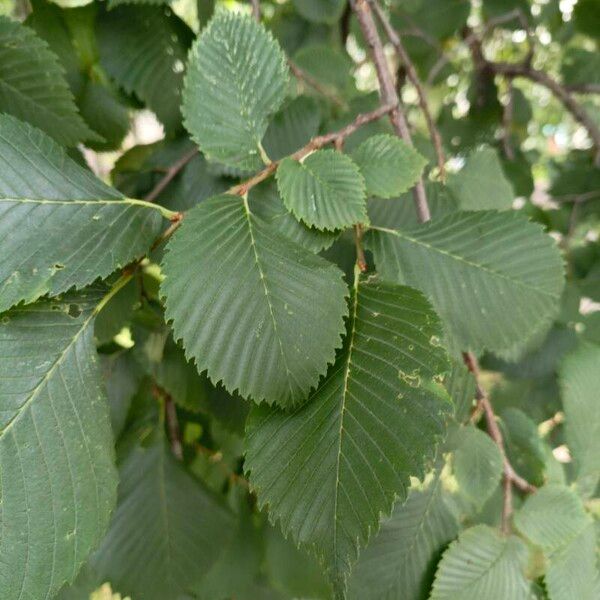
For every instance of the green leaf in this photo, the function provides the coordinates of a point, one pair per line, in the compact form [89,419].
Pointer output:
[572,571]
[389,165]
[477,465]
[551,517]
[266,203]
[399,562]
[580,67]
[325,190]
[38,92]
[554,519]
[460,384]
[89,230]
[330,468]
[167,530]
[144,49]
[237,77]
[481,183]
[579,383]
[494,278]
[292,127]
[586,17]
[524,447]
[242,299]
[482,564]
[56,449]
[320,11]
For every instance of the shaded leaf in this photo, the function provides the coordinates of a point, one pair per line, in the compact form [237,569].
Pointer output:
[247,314]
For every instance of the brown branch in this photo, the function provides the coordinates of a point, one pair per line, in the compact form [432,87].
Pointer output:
[315,144]
[583,88]
[171,172]
[389,96]
[527,71]
[256,9]
[171,420]
[302,75]
[414,78]
[511,477]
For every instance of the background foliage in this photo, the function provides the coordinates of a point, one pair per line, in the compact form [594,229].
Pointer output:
[299,299]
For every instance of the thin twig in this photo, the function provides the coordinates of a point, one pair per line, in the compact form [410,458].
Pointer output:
[389,96]
[171,172]
[256,9]
[414,78]
[171,420]
[511,477]
[526,70]
[315,144]
[302,75]
[583,88]
[361,261]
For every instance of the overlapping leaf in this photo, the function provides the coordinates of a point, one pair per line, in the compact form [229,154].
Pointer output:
[167,530]
[58,482]
[494,278]
[33,86]
[477,464]
[325,190]
[266,203]
[389,165]
[554,519]
[144,50]
[580,381]
[398,562]
[236,79]
[320,11]
[244,301]
[481,184]
[60,226]
[482,564]
[330,468]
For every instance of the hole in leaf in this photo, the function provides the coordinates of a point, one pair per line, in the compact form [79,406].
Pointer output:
[74,311]
[58,266]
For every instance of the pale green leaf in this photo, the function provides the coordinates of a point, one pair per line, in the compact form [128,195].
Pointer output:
[580,382]
[552,517]
[243,300]
[482,564]
[481,183]
[329,469]
[572,570]
[477,464]
[236,79]
[167,530]
[33,85]
[494,278]
[144,49]
[389,165]
[89,230]
[460,384]
[398,563]
[325,190]
[320,11]
[58,483]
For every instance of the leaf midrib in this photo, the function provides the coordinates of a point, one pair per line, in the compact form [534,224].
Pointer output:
[42,383]
[471,264]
